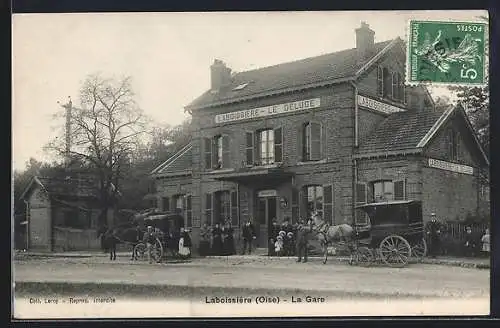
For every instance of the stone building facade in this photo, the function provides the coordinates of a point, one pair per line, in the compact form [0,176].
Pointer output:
[325,133]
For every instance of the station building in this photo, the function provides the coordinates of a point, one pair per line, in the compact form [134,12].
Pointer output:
[326,133]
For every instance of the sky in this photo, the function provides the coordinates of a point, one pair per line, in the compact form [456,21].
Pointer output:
[168,56]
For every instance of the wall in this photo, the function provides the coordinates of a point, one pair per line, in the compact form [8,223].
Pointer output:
[68,239]
[40,220]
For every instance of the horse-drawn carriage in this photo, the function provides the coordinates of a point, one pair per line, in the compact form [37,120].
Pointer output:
[394,233]
[167,232]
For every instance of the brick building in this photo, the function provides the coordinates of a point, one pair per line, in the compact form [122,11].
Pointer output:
[325,133]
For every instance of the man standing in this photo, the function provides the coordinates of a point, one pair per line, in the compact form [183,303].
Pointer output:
[149,239]
[248,235]
[204,240]
[302,232]
[433,233]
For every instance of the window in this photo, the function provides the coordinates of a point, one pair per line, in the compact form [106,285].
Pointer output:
[312,142]
[387,80]
[165,204]
[77,219]
[266,147]
[216,152]
[380,81]
[383,191]
[314,200]
[328,203]
[208,209]
[241,86]
[295,205]
[453,145]
[226,207]
[388,190]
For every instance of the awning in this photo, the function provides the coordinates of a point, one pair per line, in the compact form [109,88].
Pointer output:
[252,176]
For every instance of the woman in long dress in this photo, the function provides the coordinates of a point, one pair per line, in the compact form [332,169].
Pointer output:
[229,248]
[217,240]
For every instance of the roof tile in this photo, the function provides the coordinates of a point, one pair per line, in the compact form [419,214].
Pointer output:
[400,131]
[298,73]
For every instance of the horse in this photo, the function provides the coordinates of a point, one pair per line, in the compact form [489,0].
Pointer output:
[332,234]
[127,233]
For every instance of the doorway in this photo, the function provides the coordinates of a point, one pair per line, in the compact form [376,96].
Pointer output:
[266,213]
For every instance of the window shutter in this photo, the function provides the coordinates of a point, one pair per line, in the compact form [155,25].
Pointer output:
[399,190]
[361,193]
[328,203]
[380,81]
[395,86]
[301,142]
[225,152]
[249,148]
[278,145]
[295,205]
[208,208]
[189,212]
[234,209]
[207,146]
[166,204]
[315,141]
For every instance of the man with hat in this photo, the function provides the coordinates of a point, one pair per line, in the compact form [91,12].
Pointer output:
[433,234]
[149,239]
[302,234]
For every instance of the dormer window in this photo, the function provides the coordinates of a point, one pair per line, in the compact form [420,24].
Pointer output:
[241,86]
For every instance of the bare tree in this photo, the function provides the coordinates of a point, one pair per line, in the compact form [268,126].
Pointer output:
[105,129]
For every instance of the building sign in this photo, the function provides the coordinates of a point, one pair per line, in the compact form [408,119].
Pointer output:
[267,193]
[253,113]
[435,163]
[378,106]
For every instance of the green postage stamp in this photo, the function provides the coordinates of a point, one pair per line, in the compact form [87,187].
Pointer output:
[451,53]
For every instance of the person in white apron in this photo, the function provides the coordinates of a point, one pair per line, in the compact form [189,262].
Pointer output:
[184,250]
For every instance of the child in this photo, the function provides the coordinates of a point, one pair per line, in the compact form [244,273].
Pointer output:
[278,245]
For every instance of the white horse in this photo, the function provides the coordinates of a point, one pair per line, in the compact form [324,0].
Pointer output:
[331,234]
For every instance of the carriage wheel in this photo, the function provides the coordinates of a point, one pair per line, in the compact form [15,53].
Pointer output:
[364,256]
[419,250]
[157,251]
[395,251]
[140,251]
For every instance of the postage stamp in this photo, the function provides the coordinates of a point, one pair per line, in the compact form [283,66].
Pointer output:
[452,53]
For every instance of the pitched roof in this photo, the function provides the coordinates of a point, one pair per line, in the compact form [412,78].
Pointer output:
[65,187]
[413,130]
[277,78]
[400,131]
[180,162]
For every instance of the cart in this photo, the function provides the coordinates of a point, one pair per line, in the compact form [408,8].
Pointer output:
[167,228]
[394,234]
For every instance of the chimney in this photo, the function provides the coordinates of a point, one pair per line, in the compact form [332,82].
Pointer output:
[220,75]
[364,41]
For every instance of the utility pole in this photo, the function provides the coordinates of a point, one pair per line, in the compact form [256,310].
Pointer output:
[68,107]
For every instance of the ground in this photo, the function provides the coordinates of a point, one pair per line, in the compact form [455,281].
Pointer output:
[206,280]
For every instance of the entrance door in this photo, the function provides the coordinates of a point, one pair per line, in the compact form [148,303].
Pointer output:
[266,211]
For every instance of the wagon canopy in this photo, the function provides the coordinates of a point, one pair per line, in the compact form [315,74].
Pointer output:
[398,212]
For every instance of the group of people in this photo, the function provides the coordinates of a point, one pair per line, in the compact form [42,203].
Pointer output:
[217,240]
[472,244]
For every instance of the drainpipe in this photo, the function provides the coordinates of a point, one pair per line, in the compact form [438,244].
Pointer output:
[356,144]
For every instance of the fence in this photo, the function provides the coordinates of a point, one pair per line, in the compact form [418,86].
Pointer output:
[456,230]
